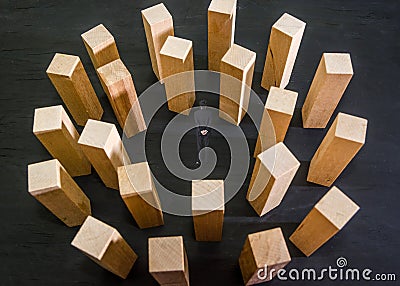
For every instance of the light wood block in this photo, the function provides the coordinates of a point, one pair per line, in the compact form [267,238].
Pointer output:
[118,84]
[69,77]
[261,249]
[273,172]
[100,45]
[177,57]
[326,218]
[344,139]
[221,30]
[158,25]
[138,191]
[103,147]
[284,43]
[105,246]
[208,207]
[237,68]
[168,262]
[54,188]
[330,81]
[278,112]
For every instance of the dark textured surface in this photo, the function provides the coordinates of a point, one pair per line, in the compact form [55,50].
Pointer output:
[35,247]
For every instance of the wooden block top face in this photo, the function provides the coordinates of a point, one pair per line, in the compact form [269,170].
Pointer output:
[98,37]
[337,207]
[338,63]
[281,100]
[239,57]
[48,119]
[166,254]
[208,195]
[175,47]
[278,160]
[351,127]
[269,247]
[222,6]
[96,133]
[63,65]
[289,25]
[138,176]
[156,14]
[113,72]
[94,237]
[44,176]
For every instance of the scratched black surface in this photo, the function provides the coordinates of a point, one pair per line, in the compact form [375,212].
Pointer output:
[35,247]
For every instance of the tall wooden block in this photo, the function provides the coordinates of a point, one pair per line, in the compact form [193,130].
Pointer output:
[177,57]
[158,25]
[326,218]
[118,84]
[237,69]
[168,262]
[100,45]
[68,76]
[54,188]
[221,30]
[330,81]
[105,246]
[103,147]
[284,43]
[277,115]
[208,208]
[137,189]
[344,139]
[263,255]
[273,172]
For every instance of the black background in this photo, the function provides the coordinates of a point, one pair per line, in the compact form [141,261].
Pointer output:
[35,247]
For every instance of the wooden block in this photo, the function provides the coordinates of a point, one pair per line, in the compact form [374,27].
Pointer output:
[237,68]
[326,218]
[103,147]
[68,76]
[277,115]
[208,207]
[221,30]
[105,246]
[177,57]
[330,81]
[168,262]
[100,45]
[284,43]
[158,25]
[54,188]
[264,251]
[273,172]
[140,195]
[118,84]
[344,139]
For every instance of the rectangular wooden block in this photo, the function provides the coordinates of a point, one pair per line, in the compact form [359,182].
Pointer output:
[221,30]
[137,189]
[103,147]
[54,188]
[105,246]
[177,58]
[326,218]
[237,68]
[208,207]
[118,84]
[284,43]
[273,172]
[168,262]
[277,115]
[264,251]
[330,81]
[158,25]
[68,76]
[344,139]
[100,45]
